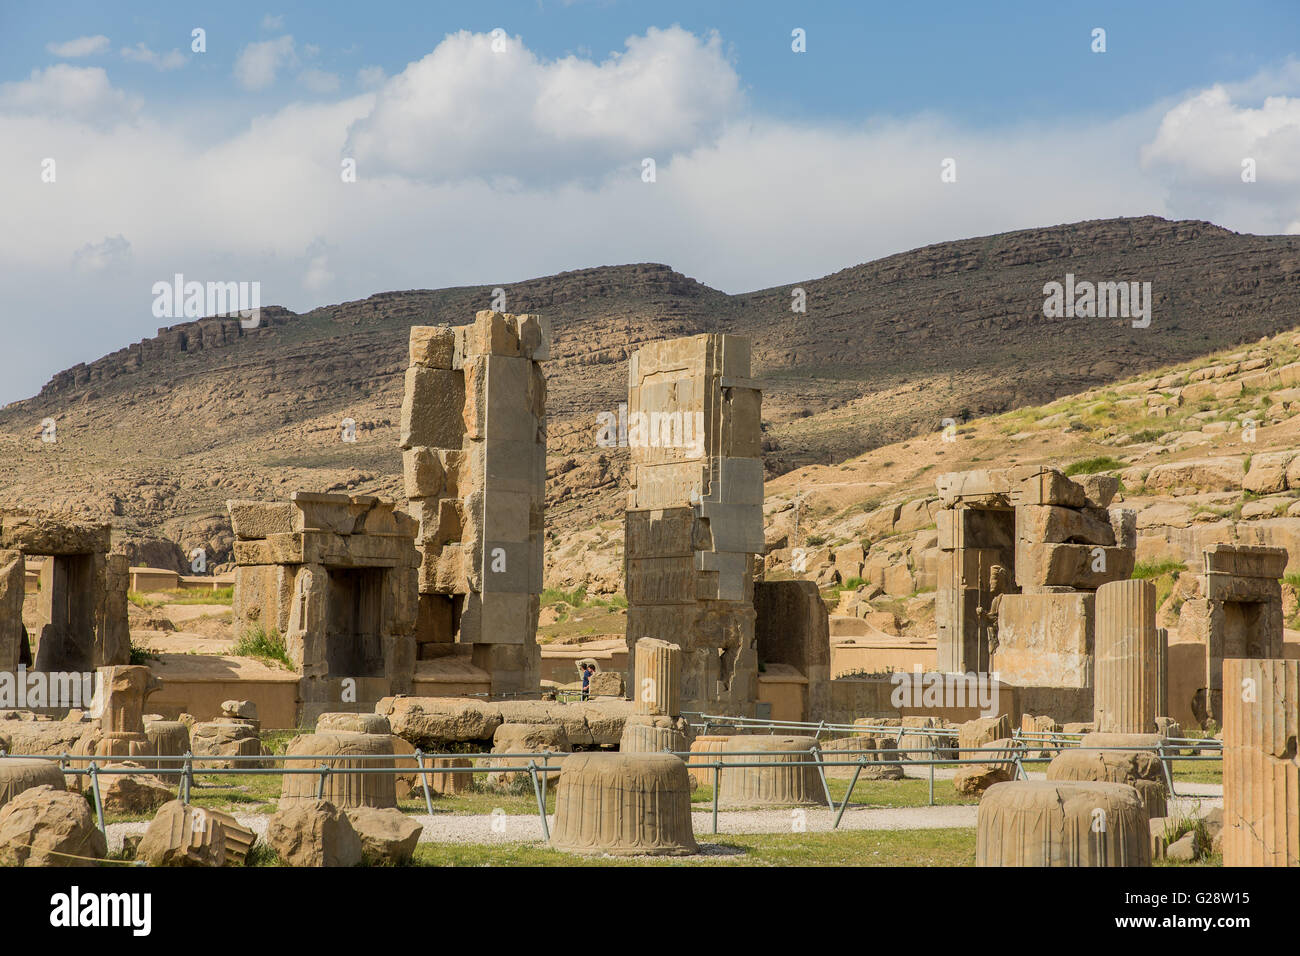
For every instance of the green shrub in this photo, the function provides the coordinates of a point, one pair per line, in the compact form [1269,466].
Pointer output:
[261,643]
[1154,569]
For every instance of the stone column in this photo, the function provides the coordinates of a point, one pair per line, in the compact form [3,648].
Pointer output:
[1162,672]
[1261,789]
[1124,686]
[658,669]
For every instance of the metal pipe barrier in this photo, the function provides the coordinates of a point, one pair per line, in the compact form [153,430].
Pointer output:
[1017,755]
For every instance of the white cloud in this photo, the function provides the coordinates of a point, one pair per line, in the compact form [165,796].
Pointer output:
[369,77]
[61,90]
[114,251]
[273,23]
[466,110]
[81,46]
[159,61]
[258,63]
[318,81]
[525,167]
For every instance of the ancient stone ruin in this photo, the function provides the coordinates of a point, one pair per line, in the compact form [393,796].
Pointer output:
[624,804]
[694,522]
[1240,615]
[81,606]
[474,459]
[1261,774]
[1022,553]
[335,575]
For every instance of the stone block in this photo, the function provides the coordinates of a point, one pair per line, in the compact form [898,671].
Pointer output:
[1050,487]
[791,780]
[432,408]
[1081,566]
[256,519]
[1057,524]
[433,346]
[1045,639]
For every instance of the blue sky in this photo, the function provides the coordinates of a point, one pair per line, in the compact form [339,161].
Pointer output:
[484,165]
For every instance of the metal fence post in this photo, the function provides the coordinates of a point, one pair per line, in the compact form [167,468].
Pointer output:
[541,805]
[424,780]
[717,785]
[320,785]
[821,772]
[862,762]
[99,799]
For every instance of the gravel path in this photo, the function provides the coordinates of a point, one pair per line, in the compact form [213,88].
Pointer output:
[518,828]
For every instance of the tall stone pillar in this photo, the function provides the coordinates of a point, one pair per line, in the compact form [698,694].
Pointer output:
[12,589]
[1124,686]
[658,669]
[1261,789]
[474,456]
[694,524]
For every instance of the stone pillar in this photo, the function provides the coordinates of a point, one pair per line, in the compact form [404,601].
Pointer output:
[1124,687]
[1261,789]
[658,687]
[12,589]
[694,524]
[473,439]
[792,778]
[1162,672]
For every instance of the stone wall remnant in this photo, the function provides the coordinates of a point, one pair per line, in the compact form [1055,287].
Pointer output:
[335,576]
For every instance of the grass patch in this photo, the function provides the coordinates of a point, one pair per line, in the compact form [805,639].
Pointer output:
[1093,466]
[141,601]
[1155,569]
[201,596]
[262,644]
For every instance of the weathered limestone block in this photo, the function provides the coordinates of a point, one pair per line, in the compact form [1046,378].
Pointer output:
[1057,823]
[1137,769]
[1045,640]
[647,733]
[17,775]
[315,833]
[705,747]
[1059,525]
[350,723]
[1124,688]
[973,780]
[607,684]
[1049,487]
[624,805]
[131,794]
[525,739]
[225,738]
[388,837]
[254,520]
[871,751]
[121,691]
[168,738]
[658,670]
[1086,566]
[343,790]
[793,780]
[433,346]
[1261,772]
[181,835]
[45,826]
[432,408]
[982,732]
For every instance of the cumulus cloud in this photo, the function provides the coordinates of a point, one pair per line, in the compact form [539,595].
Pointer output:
[258,63]
[61,90]
[481,168]
[369,77]
[479,106]
[159,61]
[81,46]
[273,22]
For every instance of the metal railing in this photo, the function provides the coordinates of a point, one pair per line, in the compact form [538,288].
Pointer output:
[539,766]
